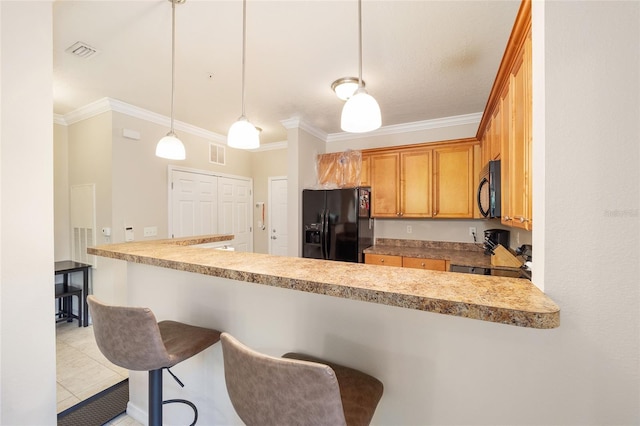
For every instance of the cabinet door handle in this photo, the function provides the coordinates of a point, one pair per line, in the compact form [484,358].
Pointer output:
[522,219]
[507,218]
[381,260]
[422,264]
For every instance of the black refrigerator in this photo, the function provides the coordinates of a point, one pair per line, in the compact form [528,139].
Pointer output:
[337,223]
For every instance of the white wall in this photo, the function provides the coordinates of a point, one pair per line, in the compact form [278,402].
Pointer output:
[140,179]
[62,233]
[27,346]
[591,233]
[302,151]
[264,164]
[90,162]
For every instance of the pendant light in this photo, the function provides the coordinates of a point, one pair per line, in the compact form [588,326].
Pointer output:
[361,112]
[170,146]
[345,87]
[242,134]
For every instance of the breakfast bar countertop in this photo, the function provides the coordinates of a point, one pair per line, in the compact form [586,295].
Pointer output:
[513,301]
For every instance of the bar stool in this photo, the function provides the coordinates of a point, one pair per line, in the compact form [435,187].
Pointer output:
[64,293]
[296,389]
[132,338]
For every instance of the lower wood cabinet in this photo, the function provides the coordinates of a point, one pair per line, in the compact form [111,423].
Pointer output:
[382,259]
[407,262]
[430,264]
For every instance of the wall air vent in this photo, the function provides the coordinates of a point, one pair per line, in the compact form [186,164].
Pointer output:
[81,50]
[216,154]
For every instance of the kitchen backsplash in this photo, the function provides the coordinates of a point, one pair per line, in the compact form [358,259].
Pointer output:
[456,231]
[446,245]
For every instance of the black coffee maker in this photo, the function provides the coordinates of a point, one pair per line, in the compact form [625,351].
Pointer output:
[492,237]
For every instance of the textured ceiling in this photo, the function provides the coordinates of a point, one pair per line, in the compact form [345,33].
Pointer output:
[421,59]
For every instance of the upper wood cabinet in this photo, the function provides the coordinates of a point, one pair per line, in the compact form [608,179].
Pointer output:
[401,184]
[364,170]
[509,108]
[415,183]
[423,181]
[519,203]
[385,188]
[454,189]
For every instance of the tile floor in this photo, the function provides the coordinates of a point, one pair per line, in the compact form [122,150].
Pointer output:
[82,370]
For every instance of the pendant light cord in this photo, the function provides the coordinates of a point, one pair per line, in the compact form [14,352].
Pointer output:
[360,43]
[173,54]
[244,42]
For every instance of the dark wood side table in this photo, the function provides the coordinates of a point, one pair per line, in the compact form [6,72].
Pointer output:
[66,268]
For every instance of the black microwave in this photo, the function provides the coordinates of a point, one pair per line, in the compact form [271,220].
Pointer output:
[489,190]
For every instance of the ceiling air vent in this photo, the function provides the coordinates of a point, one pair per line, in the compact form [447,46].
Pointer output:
[81,50]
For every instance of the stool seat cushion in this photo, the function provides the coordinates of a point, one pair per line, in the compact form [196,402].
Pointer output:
[359,392]
[183,341]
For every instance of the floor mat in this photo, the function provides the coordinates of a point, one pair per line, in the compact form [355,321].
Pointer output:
[98,409]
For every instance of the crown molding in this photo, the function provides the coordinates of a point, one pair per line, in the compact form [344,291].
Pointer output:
[59,119]
[90,110]
[291,123]
[297,123]
[109,104]
[271,146]
[415,126]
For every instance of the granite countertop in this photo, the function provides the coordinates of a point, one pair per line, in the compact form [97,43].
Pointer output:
[503,300]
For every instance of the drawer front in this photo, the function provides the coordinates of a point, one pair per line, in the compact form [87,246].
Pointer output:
[381,259]
[418,263]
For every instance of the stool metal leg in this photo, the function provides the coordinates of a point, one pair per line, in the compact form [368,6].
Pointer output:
[155,397]
[80,323]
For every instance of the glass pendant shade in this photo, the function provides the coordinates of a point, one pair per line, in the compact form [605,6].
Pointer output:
[361,113]
[171,148]
[243,135]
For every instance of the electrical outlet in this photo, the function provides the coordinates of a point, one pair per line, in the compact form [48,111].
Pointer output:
[409,230]
[472,230]
[150,231]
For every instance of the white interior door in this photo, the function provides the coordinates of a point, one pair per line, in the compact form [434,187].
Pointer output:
[235,215]
[278,216]
[194,198]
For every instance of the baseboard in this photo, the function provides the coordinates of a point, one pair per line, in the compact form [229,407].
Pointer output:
[137,413]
